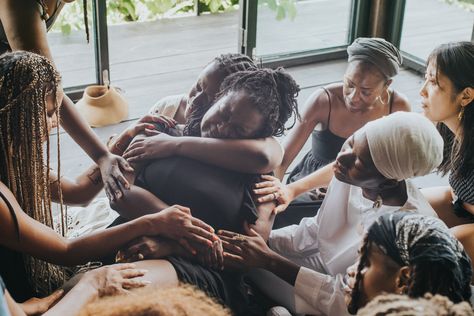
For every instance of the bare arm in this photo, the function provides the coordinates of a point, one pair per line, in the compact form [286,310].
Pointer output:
[314,111]
[137,202]
[42,242]
[241,155]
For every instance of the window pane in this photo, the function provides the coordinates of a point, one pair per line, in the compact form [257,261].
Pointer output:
[428,23]
[305,25]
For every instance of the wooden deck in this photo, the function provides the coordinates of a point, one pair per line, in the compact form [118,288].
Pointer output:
[155,59]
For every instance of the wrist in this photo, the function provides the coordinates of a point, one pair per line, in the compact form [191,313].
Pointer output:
[151,224]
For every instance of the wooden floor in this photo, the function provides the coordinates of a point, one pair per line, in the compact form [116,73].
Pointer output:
[155,59]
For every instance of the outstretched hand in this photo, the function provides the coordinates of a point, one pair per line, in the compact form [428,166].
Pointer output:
[241,251]
[271,189]
[177,223]
[38,306]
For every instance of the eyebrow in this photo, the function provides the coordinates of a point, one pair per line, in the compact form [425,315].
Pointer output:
[352,82]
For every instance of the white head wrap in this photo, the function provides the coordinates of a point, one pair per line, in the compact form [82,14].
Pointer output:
[404,145]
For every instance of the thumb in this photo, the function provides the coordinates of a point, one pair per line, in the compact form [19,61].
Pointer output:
[52,298]
[250,231]
[125,165]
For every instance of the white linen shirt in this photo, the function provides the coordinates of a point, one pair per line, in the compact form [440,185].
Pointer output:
[327,244]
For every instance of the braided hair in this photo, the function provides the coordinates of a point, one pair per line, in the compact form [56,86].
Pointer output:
[227,64]
[438,263]
[26,79]
[273,93]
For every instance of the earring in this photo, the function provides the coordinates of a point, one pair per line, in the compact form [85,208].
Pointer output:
[378,202]
[461,114]
[388,97]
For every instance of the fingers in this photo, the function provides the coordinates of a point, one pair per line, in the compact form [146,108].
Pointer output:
[197,231]
[53,298]
[264,184]
[267,190]
[235,260]
[183,242]
[230,247]
[133,284]
[184,209]
[123,164]
[113,189]
[219,254]
[280,208]
[199,223]
[269,177]
[151,132]
[227,233]
[133,153]
[133,273]
[123,266]
[266,198]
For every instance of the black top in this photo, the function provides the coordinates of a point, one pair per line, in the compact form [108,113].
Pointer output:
[220,197]
[463,184]
[13,271]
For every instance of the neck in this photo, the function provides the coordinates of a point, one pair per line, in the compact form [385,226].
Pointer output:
[454,125]
[394,196]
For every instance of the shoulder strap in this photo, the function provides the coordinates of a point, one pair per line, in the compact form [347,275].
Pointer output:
[12,212]
[390,107]
[330,106]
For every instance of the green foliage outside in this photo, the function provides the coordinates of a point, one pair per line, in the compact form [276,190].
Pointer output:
[120,11]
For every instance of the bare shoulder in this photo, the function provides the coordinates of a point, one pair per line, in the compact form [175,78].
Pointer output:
[400,102]
[316,107]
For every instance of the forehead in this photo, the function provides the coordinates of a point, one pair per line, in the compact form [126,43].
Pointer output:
[363,73]
[211,72]
[360,146]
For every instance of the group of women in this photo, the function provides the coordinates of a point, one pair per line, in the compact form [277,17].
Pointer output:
[197,184]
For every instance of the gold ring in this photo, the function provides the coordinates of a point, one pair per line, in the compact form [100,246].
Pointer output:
[275,196]
[239,237]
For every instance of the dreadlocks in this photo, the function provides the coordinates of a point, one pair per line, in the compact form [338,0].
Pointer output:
[227,64]
[26,79]
[438,263]
[273,92]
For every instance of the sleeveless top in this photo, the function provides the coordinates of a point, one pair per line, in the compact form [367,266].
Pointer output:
[13,271]
[325,145]
[463,184]
[5,46]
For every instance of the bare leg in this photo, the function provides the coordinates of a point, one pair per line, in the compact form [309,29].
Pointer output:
[160,272]
[440,199]
[465,234]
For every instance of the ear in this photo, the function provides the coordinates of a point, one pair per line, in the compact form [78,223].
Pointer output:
[467,95]
[403,280]
[388,83]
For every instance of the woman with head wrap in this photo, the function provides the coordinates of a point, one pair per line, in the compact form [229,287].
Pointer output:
[448,99]
[410,254]
[370,180]
[330,116]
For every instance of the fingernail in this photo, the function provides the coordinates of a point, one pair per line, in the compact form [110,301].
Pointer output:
[215,237]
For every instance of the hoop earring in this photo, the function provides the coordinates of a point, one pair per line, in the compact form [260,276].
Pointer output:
[388,97]
[461,114]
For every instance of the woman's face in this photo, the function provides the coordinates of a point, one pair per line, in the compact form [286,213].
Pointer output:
[232,116]
[51,109]
[354,164]
[362,86]
[205,89]
[379,275]
[439,99]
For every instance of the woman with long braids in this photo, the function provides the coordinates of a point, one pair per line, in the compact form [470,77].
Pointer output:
[370,179]
[30,98]
[23,26]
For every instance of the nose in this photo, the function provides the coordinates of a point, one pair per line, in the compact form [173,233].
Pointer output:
[354,95]
[423,89]
[345,157]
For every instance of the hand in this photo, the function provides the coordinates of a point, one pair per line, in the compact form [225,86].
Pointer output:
[272,189]
[39,306]
[146,248]
[143,126]
[212,257]
[176,223]
[245,251]
[111,167]
[158,146]
[114,279]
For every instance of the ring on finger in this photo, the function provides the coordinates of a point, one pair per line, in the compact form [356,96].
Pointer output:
[275,195]
[238,237]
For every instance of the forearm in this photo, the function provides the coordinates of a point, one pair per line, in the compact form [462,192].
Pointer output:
[137,202]
[241,155]
[106,242]
[84,189]
[74,300]
[75,125]
[319,178]
[283,268]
